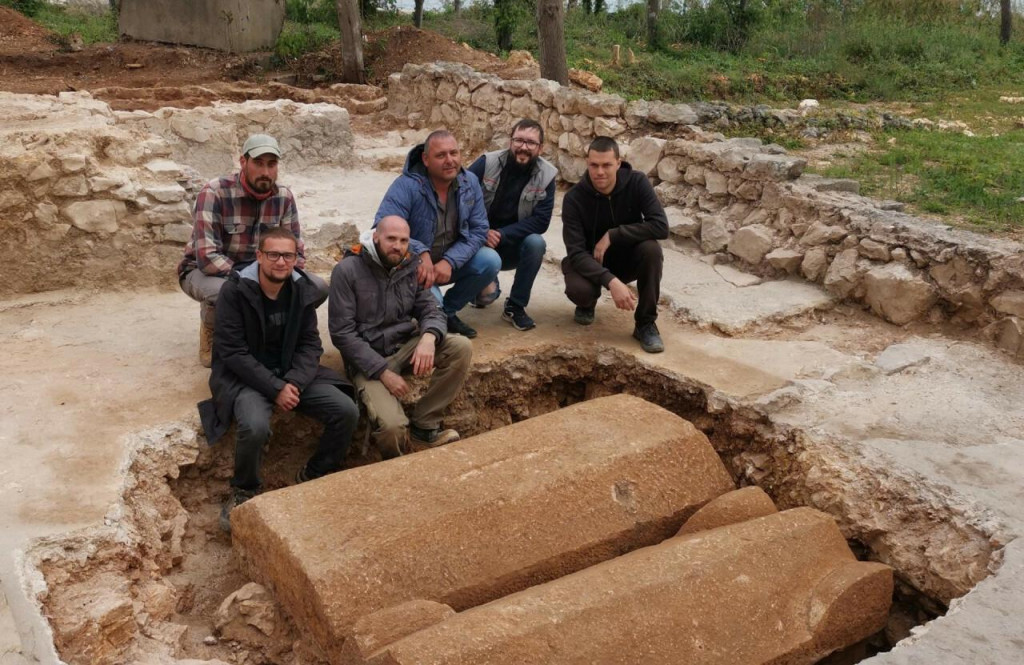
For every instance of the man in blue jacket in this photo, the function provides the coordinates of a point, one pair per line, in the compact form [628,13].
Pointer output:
[519,191]
[444,206]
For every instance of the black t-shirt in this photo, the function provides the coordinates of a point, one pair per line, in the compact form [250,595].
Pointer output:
[275,319]
[504,209]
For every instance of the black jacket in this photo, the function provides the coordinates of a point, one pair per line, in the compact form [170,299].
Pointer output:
[630,215]
[238,339]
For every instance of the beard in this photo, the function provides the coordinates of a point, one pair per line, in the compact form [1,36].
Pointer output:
[274,279]
[260,185]
[516,164]
[389,261]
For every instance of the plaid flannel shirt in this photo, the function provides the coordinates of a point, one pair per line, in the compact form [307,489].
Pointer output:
[227,224]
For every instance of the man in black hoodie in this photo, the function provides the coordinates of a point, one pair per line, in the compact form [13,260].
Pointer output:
[611,223]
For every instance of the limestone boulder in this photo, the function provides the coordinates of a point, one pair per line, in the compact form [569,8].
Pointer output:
[668,169]
[716,183]
[843,275]
[1009,302]
[96,216]
[248,615]
[596,105]
[645,153]
[822,234]
[774,167]
[814,264]
[788,260]
[1008,334]
[751,243]
[898,294]
[714,235]
[872,249]
[672,114]
[681,223]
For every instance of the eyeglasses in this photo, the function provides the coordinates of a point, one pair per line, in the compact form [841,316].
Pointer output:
[519,143]
[289,257]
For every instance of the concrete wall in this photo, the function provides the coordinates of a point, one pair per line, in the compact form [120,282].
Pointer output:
[226,25]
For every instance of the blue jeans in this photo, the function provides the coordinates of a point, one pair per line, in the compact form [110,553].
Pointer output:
[322,401]
[526,257]
[469,280]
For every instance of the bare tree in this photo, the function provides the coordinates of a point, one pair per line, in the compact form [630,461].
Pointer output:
[504,23]
[551,32]
[351,41]
[417,14]
[1006,21]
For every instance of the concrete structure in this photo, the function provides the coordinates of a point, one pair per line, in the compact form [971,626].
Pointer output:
[226,25]
[479,519]
[783,588]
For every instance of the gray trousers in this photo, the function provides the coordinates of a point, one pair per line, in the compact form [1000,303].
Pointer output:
[205,288]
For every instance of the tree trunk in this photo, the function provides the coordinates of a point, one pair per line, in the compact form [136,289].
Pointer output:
[1006,21]
[599,6]
[351,41]
[588,6]
[653,38]
[456,6]
[504,23]
[417,14]
[551,32]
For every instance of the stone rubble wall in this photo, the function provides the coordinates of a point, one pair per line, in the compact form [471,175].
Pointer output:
[96,197]
[743,201]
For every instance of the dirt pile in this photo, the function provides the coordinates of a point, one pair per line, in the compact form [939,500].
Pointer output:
[19,34]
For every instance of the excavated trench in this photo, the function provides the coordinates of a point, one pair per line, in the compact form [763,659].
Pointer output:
[151,581]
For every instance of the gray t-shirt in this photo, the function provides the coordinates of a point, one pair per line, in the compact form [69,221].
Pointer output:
[446,229]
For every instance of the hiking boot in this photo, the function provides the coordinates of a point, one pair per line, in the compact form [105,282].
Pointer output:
[236,497]
[518,317]
[432,438]
[304,474]
[205,344]
[484,299]
[650,338]
[584,316]
[460,327]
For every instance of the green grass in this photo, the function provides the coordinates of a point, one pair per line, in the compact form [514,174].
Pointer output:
[94,26]
[974,181]
[299,38]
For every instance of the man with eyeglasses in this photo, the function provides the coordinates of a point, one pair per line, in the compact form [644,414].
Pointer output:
[230,214]
[447,220]
[519,192]
[266,354]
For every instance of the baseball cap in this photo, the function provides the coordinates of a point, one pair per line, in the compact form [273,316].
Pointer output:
[261,144]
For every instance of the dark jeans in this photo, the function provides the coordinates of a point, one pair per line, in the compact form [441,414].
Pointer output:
[526,257]
[642,262]
[322,401]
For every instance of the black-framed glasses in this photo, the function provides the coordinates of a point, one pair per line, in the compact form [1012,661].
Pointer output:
[529,143]
[289,257]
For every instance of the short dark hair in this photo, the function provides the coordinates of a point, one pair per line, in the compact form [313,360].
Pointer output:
[278,232]
[434,136]
[604,144]
[527,123]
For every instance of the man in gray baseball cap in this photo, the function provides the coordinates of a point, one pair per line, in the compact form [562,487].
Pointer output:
[230,214]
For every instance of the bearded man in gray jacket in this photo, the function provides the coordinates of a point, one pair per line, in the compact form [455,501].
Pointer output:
[384,322]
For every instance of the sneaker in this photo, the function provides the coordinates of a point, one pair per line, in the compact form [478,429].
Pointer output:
[484,299]
[584,316]
[518,317]
[650,338]
[432,438]
[460,327]
[235,498]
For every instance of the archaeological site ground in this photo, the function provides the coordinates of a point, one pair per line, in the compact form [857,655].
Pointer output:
[826,464]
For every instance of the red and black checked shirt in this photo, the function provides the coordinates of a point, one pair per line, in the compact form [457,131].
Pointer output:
[227,225]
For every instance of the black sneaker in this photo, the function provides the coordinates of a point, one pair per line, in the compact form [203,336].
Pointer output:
[304,475]
[584,316]
[518,317]
[432,437]
[460,327]
[650,338]
[236,497]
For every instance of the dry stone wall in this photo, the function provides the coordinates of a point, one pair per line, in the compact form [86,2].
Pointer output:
[744,201]
[96,197]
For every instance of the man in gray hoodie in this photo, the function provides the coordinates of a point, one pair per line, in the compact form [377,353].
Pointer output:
[384,322]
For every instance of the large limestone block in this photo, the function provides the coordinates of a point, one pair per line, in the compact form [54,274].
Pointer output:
[751,243]
[783,588]
[96,216]
[476,520]
[226,25]
[645,153]
[897,294]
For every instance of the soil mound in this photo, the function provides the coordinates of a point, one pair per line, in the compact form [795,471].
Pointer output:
[20,34]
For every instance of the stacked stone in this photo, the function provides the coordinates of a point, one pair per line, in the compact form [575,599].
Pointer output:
[742,200]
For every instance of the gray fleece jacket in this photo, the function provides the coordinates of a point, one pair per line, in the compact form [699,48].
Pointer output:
[373,311]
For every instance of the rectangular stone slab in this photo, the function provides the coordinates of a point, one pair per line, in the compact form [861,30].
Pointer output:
[481,518]
[784,588]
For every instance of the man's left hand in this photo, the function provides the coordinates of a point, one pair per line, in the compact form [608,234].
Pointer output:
[601,247]
[493,238]
[442,272]
[423,356]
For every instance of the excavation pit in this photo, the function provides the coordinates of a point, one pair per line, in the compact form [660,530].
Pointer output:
[162,588]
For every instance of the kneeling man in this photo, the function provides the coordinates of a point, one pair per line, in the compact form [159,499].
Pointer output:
[611,223]
[385,321]
[266,353]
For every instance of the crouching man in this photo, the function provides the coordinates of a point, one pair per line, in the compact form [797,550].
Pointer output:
[266,353]
[385,321]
